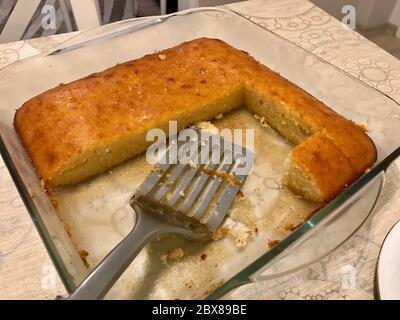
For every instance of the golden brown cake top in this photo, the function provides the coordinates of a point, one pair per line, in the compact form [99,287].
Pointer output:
[128,97]
[136,96]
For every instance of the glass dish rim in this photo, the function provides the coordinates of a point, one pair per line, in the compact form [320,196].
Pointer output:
[243,276]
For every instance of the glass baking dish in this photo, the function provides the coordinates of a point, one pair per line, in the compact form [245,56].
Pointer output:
[103,47]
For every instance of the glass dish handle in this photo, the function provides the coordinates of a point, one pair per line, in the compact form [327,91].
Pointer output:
[103,33]
[120,28]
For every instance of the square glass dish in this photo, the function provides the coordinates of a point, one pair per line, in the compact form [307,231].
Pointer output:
[92,217]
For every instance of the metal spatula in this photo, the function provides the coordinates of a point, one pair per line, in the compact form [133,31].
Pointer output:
[190,197]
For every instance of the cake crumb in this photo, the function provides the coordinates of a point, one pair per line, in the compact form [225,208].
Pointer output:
[193,165]
[219,116]
[291,226]
[207,126]
[54,202]
[164,258]
[43,184]
[231,179]
[175,254]
[67,228]
[272,243]
[212,287]
[261,120]
[84,254]
[242,239]
[363,126]
[189,284]
[162,57]
[219,233]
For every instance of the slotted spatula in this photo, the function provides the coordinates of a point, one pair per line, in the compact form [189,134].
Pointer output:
[188,194]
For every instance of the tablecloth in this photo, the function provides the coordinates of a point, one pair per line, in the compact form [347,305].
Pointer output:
[26,271]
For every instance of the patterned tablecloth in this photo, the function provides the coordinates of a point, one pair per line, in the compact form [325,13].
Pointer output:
[26,271]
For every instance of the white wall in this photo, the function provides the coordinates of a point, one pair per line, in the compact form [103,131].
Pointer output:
[395,16]
[211,3]
[185,4]
[334,7]
[369,13]
[378,14]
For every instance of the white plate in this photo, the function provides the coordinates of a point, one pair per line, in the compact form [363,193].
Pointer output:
[389,266]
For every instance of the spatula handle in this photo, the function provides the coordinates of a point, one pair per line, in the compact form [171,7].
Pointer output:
[102,278]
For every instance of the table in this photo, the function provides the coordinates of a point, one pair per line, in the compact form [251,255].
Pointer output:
[26,271]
